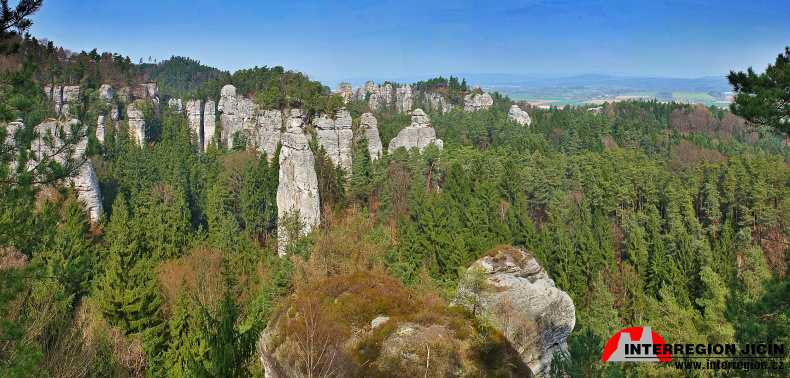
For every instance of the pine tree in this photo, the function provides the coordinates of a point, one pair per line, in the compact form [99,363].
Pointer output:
[229,347]
[186,339]
[128,293]
[360,185]
[71,259]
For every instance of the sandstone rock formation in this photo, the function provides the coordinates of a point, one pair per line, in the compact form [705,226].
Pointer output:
[516,114]
[106,93]
[209,124]
[385,94]
[136,121]
[345,91]
[267,134]
[368,126]
[369,325]
[337,138]
[194,111]
[124,94]
[298,187]
[62,97]
[477,101]
[101,129]
[374,103]
[145,91]
[524,304]
[403,99]
[439,103]
[176,104]
[419,134]
[85,181]
[115,114]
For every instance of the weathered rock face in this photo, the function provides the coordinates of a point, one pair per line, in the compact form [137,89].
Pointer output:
[385,94]
[337,138]
[85,181]
[101,129]
[195,116]
[516,114]
[478,101]
[439,103]
[419,134]
[267,135]
[115,114]
[298,187]
[62,96]
[374,103]
[403,99]
[125,94]
[238,114]
[106,93]
[345,91]
[368,126]
[176,104]
[524,304]
[209,124]
[136,120]
[146,91]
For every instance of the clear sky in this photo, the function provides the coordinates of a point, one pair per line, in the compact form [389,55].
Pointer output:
[389,39]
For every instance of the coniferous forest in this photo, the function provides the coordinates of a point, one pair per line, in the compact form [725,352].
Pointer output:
[671,215]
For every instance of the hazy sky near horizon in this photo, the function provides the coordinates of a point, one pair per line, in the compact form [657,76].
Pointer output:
[389,39]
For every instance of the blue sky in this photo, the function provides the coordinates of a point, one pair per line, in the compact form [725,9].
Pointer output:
[390,39]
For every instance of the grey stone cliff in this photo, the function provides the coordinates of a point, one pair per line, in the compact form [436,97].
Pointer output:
[298,187]
[345,91]
[106,93]
[209,124]
[523,303]
[478,101]
[266,135]
[85,181]
[194,110]
[419,134]
[403,99]
[176,104]
[101,128]
[368,126]
[136,121]
[516,114]
[337,138]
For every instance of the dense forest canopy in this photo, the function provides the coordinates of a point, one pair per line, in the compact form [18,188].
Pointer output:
[667,214]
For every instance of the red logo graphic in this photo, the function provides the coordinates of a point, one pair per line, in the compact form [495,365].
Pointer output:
[636,344]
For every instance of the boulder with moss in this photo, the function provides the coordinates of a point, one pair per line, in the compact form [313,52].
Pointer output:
[368,325]
[521,301]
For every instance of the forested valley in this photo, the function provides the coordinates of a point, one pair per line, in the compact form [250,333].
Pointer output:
[671,215]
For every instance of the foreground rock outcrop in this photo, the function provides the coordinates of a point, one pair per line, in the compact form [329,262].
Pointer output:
[419,134]
[475,102]
[516,114]
[298,187]
[367,325]
[523,303]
